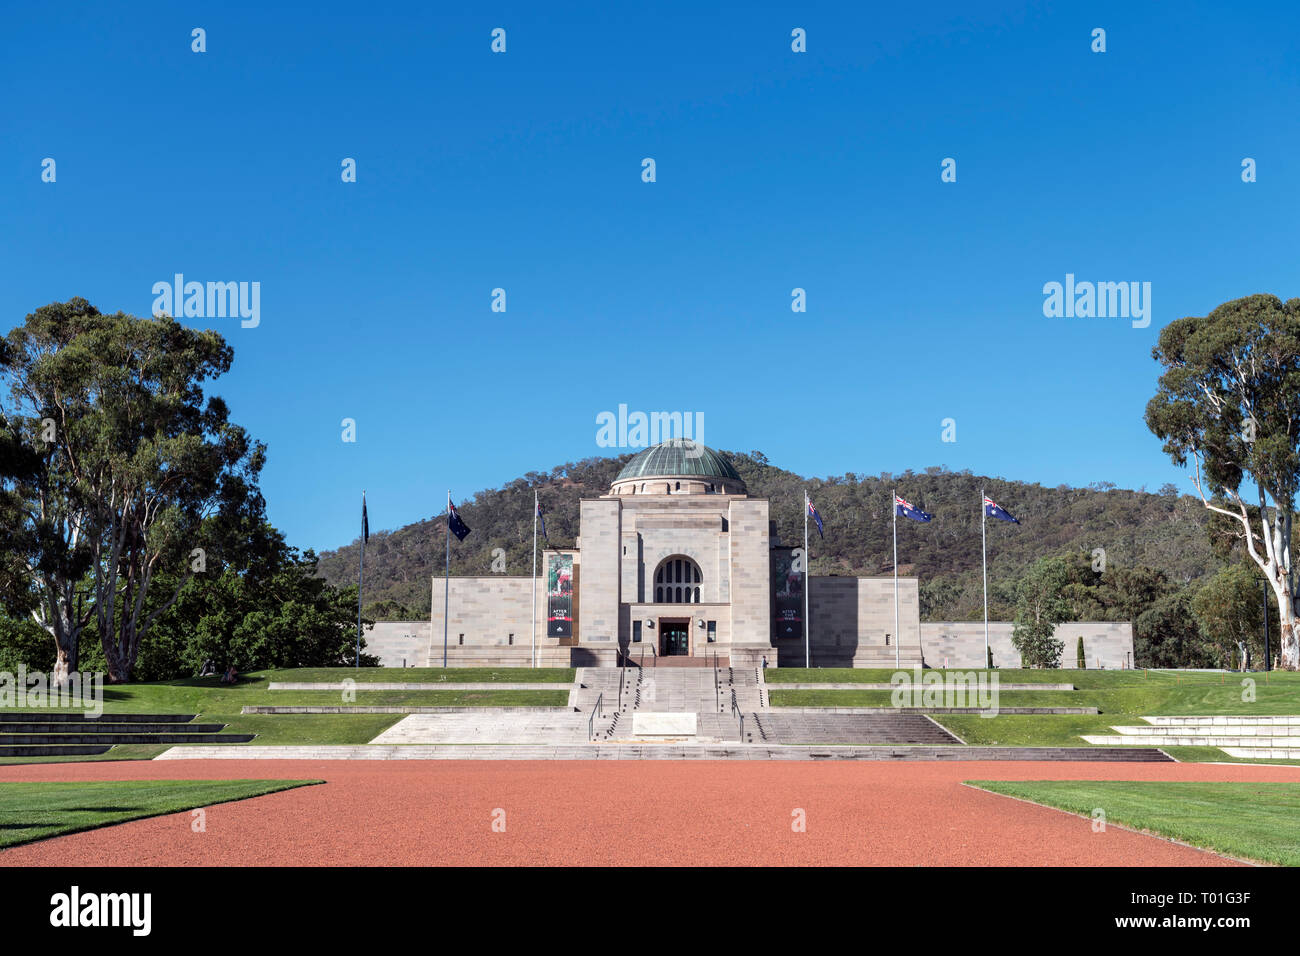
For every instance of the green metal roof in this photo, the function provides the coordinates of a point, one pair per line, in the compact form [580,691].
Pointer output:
[678,456]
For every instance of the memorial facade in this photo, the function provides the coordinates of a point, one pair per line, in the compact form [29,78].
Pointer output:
[678,560]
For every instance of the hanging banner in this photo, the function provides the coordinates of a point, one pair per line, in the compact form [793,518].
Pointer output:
[787,594]
[559,595]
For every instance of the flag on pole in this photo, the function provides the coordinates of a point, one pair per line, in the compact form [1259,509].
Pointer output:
[812,513]
[994,510]
[904,508]
[365,521]
[454,524]
[541,516]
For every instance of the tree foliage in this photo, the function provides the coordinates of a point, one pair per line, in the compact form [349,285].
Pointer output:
[1040,606]
[123,462]
[1228,405]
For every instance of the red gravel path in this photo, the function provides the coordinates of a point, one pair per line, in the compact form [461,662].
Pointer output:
[621,812]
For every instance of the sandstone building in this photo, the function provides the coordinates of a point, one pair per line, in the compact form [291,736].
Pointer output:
[679,560]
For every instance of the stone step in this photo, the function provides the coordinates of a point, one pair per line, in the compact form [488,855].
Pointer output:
[1189,740]
[31,739]
[1264,753]
[1227,720]
[1196,730]
[104,727]
[870,729]
[53,751]
[650,751]
[79,716]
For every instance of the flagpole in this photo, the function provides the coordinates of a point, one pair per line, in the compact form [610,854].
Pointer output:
[898,638]
[361,574]
[807,583]
[446,587]
[984,561]
[534,577]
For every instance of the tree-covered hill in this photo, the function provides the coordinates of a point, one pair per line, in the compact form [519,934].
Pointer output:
[1164,531]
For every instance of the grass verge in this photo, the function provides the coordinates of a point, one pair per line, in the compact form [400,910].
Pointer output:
[1253,821]
[32,811]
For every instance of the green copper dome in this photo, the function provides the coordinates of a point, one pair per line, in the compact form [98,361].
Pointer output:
[678,457]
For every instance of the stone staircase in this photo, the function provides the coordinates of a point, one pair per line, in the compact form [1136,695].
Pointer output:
[674,689]
[62,734]
[852,729]
[1276,737]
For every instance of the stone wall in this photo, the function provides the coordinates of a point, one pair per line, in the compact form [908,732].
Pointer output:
[1108,644]
[398,643]
[598,578]
[751,572]
[853,624]
[491,621]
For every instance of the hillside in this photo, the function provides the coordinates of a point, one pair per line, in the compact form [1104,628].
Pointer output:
[1163,531]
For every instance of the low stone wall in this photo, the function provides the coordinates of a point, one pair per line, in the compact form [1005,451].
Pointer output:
[1106,644]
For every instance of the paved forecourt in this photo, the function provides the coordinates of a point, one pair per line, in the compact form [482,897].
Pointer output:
[370,813]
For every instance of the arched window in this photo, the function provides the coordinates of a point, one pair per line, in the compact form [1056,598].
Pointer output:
[677,581]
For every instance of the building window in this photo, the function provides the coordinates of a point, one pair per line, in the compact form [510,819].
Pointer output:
[713,631]
[677,581]
[510,640]
[636,632]
[460,639]
[886,640]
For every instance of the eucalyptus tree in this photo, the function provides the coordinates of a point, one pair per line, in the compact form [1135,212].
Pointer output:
[128,469]
[1228,404]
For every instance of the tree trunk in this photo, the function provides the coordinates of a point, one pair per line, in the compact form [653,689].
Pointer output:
[1289,646]
[67,635]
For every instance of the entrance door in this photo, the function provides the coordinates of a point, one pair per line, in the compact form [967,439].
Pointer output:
[674,638]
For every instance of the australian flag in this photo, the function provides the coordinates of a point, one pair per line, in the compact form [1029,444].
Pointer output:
[459,528]
[365,522]
[905,509]
[812,513]
[542,518]
[995,510]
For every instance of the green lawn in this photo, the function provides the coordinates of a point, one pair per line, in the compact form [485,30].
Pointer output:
[1254,821]
[1123,697]
[414,675]
[215,702]
[37,811]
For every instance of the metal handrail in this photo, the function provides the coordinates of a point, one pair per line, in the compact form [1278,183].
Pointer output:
[622,673]
[739,714]
[717,682]
[591,721]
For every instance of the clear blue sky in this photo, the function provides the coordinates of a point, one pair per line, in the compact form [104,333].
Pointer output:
[775,170]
